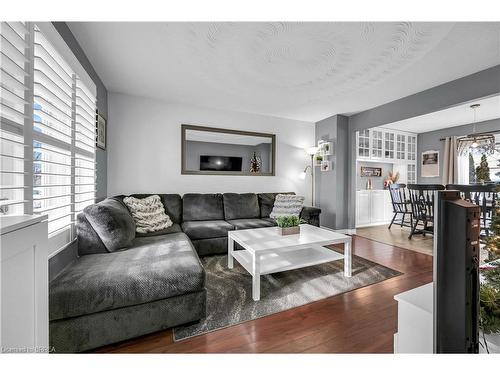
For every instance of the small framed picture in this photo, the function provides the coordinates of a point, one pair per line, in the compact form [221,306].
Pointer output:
[430,164]
[325,148]
[371,171]
[100,131]
[325,166]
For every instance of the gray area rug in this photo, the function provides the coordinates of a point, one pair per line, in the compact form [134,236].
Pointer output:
[229,292]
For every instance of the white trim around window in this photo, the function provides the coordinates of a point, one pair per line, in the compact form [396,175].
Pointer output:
[47,133]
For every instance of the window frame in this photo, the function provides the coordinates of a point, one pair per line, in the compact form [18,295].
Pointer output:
[63,236]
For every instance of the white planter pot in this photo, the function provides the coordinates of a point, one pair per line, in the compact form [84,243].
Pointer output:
[493,341]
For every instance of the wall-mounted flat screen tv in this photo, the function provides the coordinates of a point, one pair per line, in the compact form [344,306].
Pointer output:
[220,163]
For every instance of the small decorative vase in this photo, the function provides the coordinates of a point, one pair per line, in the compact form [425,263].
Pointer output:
[289,230]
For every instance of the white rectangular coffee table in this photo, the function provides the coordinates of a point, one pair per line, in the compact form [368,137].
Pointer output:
[266,251]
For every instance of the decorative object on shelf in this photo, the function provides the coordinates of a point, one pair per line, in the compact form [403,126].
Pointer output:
[430,163]
[325,165]
[100,140]
[371,171]
[369,185]
[255,164]
[392,178]
[478,143]
[325,148]
[288,224]
[318,159]
[311,151]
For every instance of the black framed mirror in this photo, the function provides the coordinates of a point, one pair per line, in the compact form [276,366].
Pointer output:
[217,151]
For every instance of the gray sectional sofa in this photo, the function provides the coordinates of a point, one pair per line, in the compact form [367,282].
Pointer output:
[124,285]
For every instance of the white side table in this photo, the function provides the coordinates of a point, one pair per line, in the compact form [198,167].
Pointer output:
[24,310]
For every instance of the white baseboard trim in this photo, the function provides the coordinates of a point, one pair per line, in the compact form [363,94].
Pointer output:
[373,224]
[343,231]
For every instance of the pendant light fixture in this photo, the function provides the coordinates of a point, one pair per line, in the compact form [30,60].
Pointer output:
[480,143]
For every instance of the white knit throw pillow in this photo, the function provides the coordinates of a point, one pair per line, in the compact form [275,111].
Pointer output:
[287,204]
[148,213]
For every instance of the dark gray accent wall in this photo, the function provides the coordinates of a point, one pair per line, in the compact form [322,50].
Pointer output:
[58,262]
[478,85]
[102,103]
[431,141]
[331,191]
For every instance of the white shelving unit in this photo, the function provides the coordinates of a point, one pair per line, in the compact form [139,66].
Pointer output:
[381,145]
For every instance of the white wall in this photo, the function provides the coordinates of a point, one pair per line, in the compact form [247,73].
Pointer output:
[144,148]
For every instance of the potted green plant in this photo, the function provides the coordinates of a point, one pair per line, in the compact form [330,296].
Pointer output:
[288,224]
[318,158]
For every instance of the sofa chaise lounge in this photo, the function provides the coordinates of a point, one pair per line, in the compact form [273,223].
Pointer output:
[158,282]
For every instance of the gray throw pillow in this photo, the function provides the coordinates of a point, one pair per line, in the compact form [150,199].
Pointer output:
[285,205]
[148,213]
[112,222]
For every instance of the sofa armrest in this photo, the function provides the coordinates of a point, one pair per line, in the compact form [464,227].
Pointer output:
[311,215]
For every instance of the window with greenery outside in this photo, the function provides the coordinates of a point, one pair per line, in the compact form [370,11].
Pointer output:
[483,170]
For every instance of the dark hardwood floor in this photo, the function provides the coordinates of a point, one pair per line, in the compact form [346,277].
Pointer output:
[360,321]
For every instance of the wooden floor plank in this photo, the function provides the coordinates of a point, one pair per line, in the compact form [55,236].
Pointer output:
[360,321]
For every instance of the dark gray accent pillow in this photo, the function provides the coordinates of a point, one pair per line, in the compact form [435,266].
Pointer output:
[197,207]
[241,206]
[113,223]
[88,240]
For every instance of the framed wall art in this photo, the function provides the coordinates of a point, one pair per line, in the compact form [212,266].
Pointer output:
[430,164]
[100,131]
[371,171]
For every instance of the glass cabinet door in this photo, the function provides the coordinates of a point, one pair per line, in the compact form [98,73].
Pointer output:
[412,173]
[377,144]
[412,147]
[400,146]
[389,145]
[364,144]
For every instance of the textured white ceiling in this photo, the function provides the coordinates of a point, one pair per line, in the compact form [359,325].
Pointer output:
[305,71]
[447,118]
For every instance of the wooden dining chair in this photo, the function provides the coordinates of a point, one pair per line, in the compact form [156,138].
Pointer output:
[400,205]
[422,207]
[483,195]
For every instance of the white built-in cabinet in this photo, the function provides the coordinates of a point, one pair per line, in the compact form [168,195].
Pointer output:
[377,144]
[390,146]
[373,207]
[412,148]
[24,302]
